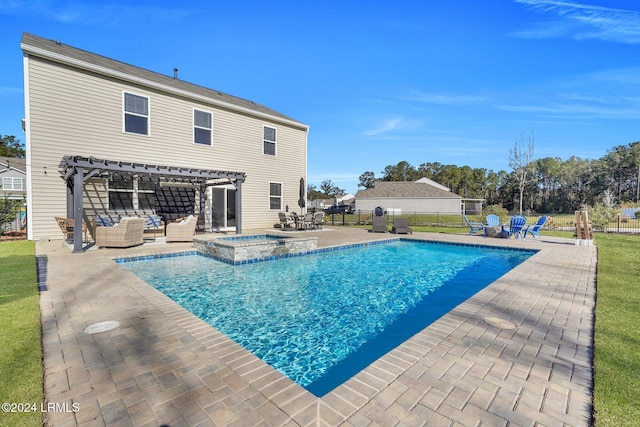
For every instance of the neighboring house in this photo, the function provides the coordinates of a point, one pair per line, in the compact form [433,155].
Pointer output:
[132,141]
[13,178]
[13,184]
[408,197]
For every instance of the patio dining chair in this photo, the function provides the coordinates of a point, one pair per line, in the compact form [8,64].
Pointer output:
[307,221]
[286,222]
[318,219]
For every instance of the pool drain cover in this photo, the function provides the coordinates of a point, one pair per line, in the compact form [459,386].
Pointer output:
[101,327]
[499,323]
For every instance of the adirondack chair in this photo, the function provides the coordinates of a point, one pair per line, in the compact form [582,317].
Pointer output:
[516,224]
[493,220]
[474,227]
[534,230]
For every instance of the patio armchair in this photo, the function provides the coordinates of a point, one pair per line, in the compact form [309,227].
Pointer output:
[183,230]
[67,227]
[128,232]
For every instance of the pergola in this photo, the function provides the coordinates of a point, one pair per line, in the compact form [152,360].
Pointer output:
[76,170]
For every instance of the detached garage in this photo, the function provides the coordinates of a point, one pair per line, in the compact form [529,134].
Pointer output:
[405,197]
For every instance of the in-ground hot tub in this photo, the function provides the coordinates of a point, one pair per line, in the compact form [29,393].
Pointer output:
[254,247]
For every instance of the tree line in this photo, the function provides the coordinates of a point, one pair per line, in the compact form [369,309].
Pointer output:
[551,185]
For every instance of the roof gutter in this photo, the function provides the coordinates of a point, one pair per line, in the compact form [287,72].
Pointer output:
[56,57]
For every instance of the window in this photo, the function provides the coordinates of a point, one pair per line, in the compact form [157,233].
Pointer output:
[12,183]
[201,127]
[269,138]
[275,196]
[136,114]
[131,194]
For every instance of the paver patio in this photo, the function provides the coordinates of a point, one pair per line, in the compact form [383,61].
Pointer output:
[164,366]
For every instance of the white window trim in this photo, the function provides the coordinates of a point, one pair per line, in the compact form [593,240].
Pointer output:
[281,195]
[124,113]
[193,121]
[12,184]
[135,191]
[275,143]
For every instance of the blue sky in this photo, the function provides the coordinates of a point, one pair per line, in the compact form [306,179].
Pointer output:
[456,81]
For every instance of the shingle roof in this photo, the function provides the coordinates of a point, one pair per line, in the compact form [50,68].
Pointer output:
[404,189]
[56,51]
[14,162]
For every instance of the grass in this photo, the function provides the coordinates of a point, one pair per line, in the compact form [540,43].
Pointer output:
[20,342]
[617,335]
[617,331]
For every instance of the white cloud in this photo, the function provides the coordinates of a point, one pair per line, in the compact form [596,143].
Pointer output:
[442,99]
[104,14]
[581,21]
[386,126]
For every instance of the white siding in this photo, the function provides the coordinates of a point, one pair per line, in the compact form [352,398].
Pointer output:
[73,112]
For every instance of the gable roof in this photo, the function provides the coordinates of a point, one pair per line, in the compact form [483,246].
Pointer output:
[78,58]
[14,163]
[405,189]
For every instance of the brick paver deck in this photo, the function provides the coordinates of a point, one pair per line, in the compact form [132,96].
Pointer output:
[163,366]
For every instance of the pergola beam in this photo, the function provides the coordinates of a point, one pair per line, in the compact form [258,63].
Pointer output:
[75,170]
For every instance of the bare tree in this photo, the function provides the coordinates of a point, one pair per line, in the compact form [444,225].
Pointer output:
[521,161]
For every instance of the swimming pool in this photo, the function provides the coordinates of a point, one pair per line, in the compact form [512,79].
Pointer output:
[321,318]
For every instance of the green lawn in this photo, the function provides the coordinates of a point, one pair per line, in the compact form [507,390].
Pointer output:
[617,329]
[20,343]
[617,348]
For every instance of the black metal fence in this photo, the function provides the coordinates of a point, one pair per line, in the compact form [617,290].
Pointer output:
[561,222]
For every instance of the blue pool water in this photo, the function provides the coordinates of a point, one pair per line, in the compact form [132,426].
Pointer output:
[321,318]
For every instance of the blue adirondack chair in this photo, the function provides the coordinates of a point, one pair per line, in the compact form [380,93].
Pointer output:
[474,227]
[516,224]
[493,220]
[534,230]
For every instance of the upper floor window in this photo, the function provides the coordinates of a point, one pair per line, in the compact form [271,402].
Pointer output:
[269,140]
[201,127]
[136,114]
[11,183]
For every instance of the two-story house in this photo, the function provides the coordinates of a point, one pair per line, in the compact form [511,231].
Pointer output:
[106,136]
[13,186]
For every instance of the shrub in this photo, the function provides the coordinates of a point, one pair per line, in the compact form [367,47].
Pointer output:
[601,215]
[497,210]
